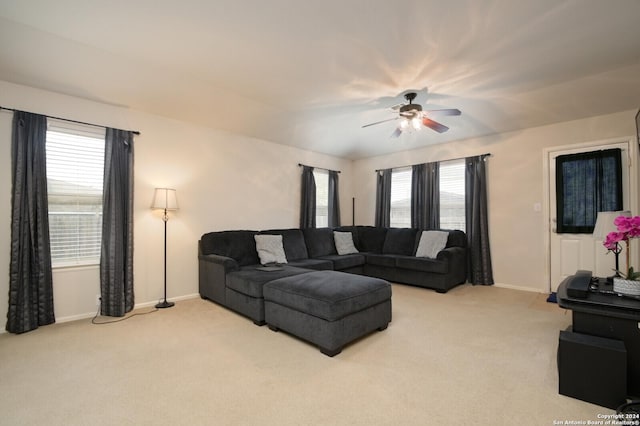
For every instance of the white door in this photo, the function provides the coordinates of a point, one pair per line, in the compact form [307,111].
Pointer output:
[571,252]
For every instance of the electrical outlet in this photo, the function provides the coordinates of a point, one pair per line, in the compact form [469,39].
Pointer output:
[98,298]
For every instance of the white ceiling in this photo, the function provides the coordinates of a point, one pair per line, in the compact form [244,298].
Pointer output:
[311,73]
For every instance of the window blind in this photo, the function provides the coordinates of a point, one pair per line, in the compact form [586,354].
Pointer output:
[75,163]
[452,194]
[322,197]
[401,198]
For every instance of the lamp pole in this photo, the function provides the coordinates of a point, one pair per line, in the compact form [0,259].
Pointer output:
[165,303]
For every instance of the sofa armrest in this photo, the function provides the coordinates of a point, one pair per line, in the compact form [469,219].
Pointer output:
[227,263]
[212,276]
[451,253]
[457,259]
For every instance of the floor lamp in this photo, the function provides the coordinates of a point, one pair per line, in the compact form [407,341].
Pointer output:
[165,199]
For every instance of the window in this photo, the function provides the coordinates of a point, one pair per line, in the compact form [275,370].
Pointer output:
[322,197]
[401,198]
[75,163]
[452,194]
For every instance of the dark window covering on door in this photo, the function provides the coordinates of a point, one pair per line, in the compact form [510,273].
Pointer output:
[587,183]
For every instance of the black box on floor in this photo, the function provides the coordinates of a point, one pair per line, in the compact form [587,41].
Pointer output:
[592,369]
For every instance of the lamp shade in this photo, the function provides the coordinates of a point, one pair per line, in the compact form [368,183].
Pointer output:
[604,223]
[164,198]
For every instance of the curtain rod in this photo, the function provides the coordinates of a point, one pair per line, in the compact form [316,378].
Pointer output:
[321,168]
[135,132]
[450,159]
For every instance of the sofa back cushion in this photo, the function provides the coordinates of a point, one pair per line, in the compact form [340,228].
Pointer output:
[400,241]
[370,239]
[238,245]
[319,242]
[293,242]
[457,239]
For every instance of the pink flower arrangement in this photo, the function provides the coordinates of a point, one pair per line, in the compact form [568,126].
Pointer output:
[628,227]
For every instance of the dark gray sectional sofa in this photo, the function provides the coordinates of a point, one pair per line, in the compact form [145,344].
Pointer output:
[229,271]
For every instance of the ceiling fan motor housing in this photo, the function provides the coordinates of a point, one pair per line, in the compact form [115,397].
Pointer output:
[410,109]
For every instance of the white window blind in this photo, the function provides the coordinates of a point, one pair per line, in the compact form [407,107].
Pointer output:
[75,163]
[452,194]
[322,197]
[401,198]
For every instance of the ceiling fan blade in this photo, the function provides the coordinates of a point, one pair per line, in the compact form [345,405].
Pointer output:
[434,125]
[397,132]
[446,111]
[378,122]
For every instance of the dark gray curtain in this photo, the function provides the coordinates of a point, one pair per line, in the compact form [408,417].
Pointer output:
[418,196]
[334,200]
[30,278]
[383,198]
[425,196]
[116,258]
[308,199]
[433,195]
[480,270]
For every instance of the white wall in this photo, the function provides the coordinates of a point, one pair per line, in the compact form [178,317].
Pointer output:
[223,181]
[515,184]
[227,181]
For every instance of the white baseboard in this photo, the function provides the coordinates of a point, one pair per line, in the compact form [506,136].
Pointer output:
[171,299]
[515,287]
[137,306]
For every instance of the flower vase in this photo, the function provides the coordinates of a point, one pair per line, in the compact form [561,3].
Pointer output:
[626,287]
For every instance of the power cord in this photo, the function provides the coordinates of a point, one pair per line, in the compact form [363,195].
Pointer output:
[93,321]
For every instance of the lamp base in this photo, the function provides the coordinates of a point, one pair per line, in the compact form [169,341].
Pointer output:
[164,304]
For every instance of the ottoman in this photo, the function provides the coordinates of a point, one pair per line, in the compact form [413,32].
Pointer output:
[327,308]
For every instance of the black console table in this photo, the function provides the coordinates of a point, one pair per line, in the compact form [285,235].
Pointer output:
[606,324]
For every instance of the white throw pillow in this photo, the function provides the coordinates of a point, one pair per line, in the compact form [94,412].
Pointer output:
[431,243]
[344,242]
[270,249]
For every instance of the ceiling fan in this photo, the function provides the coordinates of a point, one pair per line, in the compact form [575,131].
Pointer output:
[412,115]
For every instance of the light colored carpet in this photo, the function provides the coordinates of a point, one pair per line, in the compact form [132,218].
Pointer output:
[476,356]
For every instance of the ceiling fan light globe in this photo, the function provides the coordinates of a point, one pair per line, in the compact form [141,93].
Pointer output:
[404,123]
[415,122]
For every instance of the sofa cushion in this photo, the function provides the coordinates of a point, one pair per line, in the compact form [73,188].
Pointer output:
[387,260]
[270,249]
[344,242]
[315,264]
[319,242]
[238,245]
[370,239]
[250,279]
[400,241]
[329,295]
[345,261]
[422,264]
[431,243]
[293,242]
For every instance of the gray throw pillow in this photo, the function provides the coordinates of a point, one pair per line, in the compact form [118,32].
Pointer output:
[270,249]
[344,242]
[431,243]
